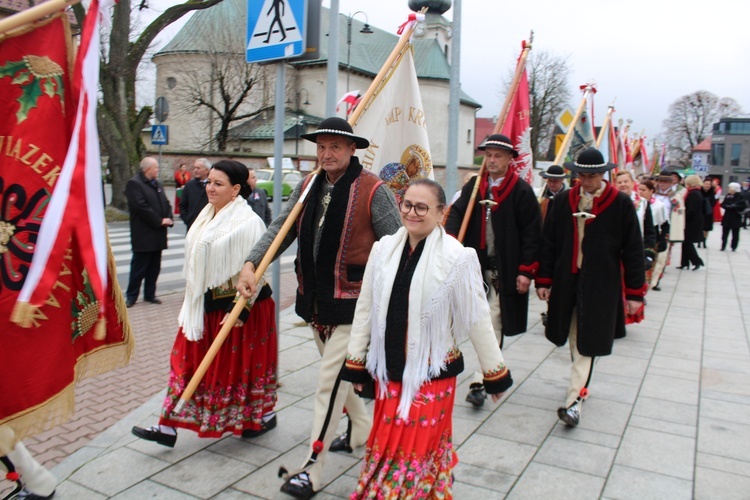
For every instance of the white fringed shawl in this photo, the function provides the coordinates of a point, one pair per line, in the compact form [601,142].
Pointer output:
[441,309]
[215,250]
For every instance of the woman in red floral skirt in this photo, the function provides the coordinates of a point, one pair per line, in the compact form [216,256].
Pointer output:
[422,294]
[238,392]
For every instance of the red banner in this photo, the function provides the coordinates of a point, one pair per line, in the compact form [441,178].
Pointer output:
[40,364]
[517,128]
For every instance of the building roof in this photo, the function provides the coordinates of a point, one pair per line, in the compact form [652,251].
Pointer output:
[704,145]
[262,126]
[368,51]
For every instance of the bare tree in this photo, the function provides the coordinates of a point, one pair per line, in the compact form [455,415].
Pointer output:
[223,84]
[549,91]
[690,121]
[120,121]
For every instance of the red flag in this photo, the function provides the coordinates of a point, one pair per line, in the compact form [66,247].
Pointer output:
[351,99]
[613,145]
[41,361]
[645,165]
[517,128]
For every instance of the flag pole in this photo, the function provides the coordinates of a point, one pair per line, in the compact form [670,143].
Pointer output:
[502,117]
[35,13]
[605,126]
[230,320]
[569,134]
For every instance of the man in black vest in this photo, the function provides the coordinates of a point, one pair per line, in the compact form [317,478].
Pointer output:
[258,199]
[505,230]
[592,245]
[194,193]
[348,208]
[150,216]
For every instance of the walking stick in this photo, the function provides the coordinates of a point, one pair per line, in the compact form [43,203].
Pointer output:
[520,67]
[33,14]
[200,372]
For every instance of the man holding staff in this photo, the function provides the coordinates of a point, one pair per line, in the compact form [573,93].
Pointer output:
[505,230]
[347,210]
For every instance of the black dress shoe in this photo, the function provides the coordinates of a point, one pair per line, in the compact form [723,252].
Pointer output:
[683,267]
[569,416]
[154,434]
[264,427]
[698,266]
[476,395]
[129,303]
[341,443]
[25,494]
[153,301]
[299,486]
[656,288]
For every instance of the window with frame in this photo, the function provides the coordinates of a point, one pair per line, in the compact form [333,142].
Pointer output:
[717,154]
[736,152]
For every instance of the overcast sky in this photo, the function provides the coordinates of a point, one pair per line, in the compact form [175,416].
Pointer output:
[646,54]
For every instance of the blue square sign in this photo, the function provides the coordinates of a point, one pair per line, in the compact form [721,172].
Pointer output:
[275,29]
[159,135]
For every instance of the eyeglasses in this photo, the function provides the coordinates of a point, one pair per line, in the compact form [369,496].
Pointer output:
[420,208]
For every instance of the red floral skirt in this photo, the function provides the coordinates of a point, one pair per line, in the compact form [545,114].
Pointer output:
[410,458]
[239,386]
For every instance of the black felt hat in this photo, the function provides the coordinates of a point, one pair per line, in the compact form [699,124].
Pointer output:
[337,126]
[498,141]
[554,172]
[589,161]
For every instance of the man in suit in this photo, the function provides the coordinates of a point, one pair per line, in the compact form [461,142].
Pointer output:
[150,216]
[258,199]
[194,192]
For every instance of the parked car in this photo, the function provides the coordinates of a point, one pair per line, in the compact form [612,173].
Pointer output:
[289,181]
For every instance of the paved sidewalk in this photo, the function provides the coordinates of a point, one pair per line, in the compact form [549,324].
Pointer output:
[668,415]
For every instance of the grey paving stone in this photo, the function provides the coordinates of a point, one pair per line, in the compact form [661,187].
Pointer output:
[245,450]
[678,390]
[151,489]
[657,452]
[204,474]
[609,389]
[626,483]
[117,471]
[576,455]
[727,346]
[483,478]
[534,402]
[471,492]
[501,455]
[188,443]
[678,348]
[605,416]
[523,424]
[544,481]
[232,494]
[294,425]
[690,377]
[463,428]
[675,363]
[621,365]
[725,381]
[724,410]
[70,489]
[710,483]
[659,425]
[587,436]
[724,438]
[716,462]
[301,382]
[666,410]
[299,357]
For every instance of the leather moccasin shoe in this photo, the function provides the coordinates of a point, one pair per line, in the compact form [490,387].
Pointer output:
[154,434]
[153,301]
[341,443]
[264,427]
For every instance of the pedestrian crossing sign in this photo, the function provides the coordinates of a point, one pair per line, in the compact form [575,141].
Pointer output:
[275,29]
[159,135]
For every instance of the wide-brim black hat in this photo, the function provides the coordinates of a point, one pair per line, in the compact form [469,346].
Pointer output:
[498,141]
[664,175]
[589,161]
[554,172]
[337,126]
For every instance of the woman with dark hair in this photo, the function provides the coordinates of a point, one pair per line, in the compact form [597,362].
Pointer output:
[422,294]
[238,393]
[693,223]
[710,199]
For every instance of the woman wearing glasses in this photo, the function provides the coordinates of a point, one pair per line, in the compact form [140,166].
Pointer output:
[422,294]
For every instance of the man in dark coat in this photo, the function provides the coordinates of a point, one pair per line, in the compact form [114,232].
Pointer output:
[194,193]
[150,216]
[554,184]
[505,230]
[258,199]
[592,241]
[693,223]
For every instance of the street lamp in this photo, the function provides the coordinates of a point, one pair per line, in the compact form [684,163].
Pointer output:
[366,30]
[300,123]
[298,96]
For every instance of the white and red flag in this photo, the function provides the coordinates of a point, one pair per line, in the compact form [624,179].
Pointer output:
[645,165]
[351,99]
[517,128]
[76,207]
[394,122]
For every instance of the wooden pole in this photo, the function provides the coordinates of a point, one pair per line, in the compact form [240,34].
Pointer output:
[569,134]
[200,372]
[35,13]
[605,126]
[520,67]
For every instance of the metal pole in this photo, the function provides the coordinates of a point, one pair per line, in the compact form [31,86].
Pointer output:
[333,59]
[278,158]
[451,167]
[348,49]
